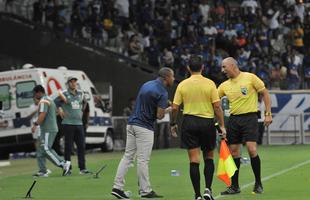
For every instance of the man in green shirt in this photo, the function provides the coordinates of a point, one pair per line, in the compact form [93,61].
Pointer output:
[72,103]
[48,125]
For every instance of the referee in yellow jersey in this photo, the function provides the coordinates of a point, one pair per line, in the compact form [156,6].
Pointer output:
[201,102]
[242,90]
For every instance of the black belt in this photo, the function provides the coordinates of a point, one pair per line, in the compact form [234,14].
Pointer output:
[244,114]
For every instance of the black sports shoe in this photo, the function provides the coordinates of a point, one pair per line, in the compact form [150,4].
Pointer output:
[119,194]
[258,188]
[231,190]
[151,194]
[208,194]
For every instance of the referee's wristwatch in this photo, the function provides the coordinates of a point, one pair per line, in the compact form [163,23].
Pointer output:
[268,114]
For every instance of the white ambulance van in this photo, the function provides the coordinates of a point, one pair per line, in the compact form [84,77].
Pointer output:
[16,98]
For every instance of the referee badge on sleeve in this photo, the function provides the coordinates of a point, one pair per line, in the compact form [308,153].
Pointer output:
[244,90]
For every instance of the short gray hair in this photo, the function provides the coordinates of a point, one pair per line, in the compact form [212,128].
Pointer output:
[164,72]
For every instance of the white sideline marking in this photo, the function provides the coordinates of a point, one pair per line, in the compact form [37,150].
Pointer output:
[271,176]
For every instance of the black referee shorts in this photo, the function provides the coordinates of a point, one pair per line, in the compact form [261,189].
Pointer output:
[242,128]
[198,132]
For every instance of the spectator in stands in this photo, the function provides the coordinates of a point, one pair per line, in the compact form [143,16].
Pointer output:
[134,48]
[273,19]
[230,32]
[129,108]
[252,4]
[76,22]
[297,36]
[275,77]
[307,30]
[122,7]
[283,78]
[300,10]
[204,9]
[38,11]
[167,58]
[50,13]
[96,30]
[293,77]
[209,30]
[153,53]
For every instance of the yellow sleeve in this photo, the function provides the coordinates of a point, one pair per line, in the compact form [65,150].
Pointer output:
[257,83]
[214,94]
[220,91]
[178,100]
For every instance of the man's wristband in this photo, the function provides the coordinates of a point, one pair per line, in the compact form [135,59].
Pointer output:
[173,124]
[36,124]
[268,114]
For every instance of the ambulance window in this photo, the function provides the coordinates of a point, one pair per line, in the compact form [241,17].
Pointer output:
[24,94]
[5,97]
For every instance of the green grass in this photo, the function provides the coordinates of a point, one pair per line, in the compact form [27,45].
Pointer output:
[16,179]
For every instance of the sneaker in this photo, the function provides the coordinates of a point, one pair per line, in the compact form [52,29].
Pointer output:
[208,194]
[66,168]
[40,174]
[120,194]
[198,198]
[151,194]
[48,171]
[85,172]
[258,189]
[231,190]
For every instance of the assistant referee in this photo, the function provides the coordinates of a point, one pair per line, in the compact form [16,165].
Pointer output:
[201,102]
[242,90]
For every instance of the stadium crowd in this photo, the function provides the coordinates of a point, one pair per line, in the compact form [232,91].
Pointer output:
[269,38]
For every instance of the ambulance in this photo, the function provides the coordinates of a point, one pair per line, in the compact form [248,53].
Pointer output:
[16,98]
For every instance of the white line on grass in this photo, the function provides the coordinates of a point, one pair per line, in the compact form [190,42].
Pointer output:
[272,176]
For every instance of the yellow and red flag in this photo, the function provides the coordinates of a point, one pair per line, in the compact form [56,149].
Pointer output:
[226,166]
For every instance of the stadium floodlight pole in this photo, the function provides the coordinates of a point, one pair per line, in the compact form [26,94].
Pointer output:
[96,175]
[28,195]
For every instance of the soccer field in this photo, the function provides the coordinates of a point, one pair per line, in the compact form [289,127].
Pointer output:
[285,172]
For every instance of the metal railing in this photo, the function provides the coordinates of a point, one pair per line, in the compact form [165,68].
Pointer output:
[295,129]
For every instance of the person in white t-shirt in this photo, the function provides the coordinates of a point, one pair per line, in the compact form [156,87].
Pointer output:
[252,4]
[204,10]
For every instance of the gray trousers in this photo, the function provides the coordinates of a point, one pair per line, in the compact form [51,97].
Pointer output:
[139,144]
[45,150]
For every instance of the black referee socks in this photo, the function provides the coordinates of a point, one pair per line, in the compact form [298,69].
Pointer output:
[235,177]
[195,177]
[255,163]
[208,172]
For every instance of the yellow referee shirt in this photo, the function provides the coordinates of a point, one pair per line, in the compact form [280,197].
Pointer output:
[242,92]
[197,94]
